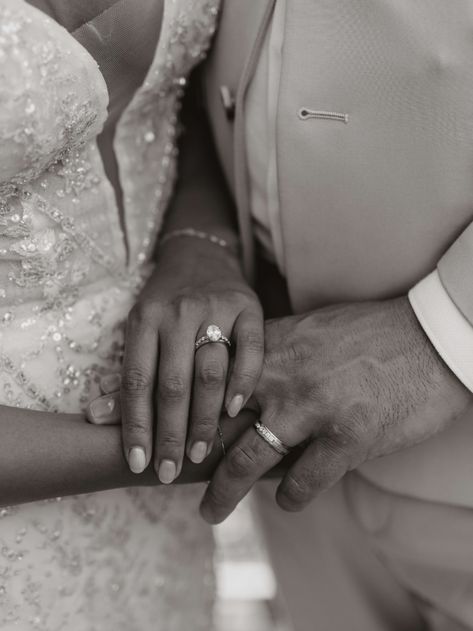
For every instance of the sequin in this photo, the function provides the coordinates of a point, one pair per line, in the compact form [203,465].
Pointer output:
[125,559]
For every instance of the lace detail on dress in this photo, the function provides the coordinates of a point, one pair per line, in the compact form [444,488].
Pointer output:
[123,560]
[53,97]
[150,124]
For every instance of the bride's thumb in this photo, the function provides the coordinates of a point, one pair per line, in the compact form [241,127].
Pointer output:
[105,410]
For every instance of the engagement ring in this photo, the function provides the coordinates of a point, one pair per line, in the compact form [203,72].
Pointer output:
[213,335]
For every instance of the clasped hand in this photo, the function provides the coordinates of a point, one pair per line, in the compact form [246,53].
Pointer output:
[344,384]
[349,383]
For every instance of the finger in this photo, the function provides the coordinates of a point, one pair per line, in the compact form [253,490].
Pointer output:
[322,464]
[111,383]
[138,377]
[176,368]
[231,430]
[248,334]
[105,410]
[210,376]
[245,463]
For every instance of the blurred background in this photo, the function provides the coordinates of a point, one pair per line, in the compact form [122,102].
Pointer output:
[247,595]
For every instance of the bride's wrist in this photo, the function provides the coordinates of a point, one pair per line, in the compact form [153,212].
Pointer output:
[222,237]
[199,246]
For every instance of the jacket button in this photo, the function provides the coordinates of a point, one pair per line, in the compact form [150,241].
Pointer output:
[228,102]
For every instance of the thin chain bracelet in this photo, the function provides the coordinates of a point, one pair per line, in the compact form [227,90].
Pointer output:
[195,234]
[220,437]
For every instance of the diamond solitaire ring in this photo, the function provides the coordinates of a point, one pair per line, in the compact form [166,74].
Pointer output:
[213,335]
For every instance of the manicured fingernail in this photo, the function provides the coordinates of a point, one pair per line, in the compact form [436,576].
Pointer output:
[137,459]
[198,452]
[111,383]
[167,471]
[235,405]
[104,410]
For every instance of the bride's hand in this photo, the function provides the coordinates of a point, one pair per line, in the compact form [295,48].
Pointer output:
[195,284]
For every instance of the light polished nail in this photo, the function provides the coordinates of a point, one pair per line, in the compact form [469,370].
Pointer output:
[198,452]
[235,405]
[104,411]
[167,471]
[111,383]
[137,459]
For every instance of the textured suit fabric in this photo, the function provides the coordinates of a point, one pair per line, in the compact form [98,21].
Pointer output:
[368,207]
[363,559]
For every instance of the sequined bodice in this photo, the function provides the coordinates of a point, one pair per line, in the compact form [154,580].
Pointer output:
[68,276]
[61,239]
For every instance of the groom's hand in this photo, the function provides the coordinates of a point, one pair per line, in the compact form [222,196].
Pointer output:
[350,382]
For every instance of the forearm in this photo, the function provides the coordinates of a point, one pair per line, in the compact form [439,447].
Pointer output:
[44,455]
[201,198]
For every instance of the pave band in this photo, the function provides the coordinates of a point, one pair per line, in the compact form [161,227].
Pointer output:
[272,440]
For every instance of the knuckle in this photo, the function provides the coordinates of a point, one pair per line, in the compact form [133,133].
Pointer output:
[212,374]
[170,441]
[136,426]
[246,375]
[252,341]
[240,462]
[135,381]
[141,313]
[171,388]
[217,498]
[320,391]
[204,427]
[297,489]
[357,421]
[136,315]
[186,306]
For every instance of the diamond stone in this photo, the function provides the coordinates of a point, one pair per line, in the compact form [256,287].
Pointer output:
[214,333]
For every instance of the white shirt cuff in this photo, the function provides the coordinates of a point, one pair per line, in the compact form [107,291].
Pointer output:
[449,331]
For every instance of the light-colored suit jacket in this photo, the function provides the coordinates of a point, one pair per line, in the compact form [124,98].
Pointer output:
[372,205]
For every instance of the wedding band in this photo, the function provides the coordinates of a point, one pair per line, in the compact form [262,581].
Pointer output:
[272,440]
[213,335]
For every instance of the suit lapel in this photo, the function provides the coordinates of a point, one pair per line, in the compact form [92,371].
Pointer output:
[231,65]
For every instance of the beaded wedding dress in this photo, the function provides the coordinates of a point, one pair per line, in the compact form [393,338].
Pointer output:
[124,560]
